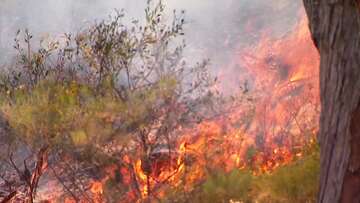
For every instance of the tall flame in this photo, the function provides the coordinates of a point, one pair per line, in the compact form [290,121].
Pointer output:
[283,75]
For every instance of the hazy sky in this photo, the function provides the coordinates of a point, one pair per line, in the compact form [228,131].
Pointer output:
[215,28]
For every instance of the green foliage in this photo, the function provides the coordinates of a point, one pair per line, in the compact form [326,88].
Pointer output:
[79,137]
[48,114]
[225,187]
[72,114]
[296,182]
[250,153]
[111,84]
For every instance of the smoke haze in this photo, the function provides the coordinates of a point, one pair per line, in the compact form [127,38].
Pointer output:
[215,29]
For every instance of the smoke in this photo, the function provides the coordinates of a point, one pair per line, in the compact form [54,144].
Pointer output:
[215,29]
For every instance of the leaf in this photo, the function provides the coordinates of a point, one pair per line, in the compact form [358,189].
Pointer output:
[79,137]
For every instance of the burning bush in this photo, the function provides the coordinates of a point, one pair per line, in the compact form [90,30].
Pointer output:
[115,114]
[296,182]
[115,95]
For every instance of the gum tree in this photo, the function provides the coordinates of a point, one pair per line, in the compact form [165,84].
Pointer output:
[335,30]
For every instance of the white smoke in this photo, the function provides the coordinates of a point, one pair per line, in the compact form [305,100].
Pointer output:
[214,28]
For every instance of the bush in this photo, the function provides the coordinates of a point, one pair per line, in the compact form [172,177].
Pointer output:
[115,91]
[295,182]
[235,185]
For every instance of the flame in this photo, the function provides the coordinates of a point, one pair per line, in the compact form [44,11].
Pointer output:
[139,171]
[97,188]
[169,174]
[284,77]
[284,73]
[284,80]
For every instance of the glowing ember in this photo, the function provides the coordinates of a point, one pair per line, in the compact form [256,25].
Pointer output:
[97,188]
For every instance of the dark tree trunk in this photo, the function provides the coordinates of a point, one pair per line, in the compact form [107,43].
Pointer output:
[335,28]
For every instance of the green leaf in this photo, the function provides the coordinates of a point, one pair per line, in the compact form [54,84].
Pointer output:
[79,137]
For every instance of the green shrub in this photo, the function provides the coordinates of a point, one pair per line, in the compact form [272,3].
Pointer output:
[235,185]
[295,182]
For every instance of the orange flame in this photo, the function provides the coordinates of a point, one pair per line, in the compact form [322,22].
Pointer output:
[284,73]
[286,108]
[97,188]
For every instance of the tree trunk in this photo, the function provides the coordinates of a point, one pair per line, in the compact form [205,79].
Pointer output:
[335,28]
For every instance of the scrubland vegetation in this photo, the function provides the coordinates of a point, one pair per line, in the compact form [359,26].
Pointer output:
[86,108]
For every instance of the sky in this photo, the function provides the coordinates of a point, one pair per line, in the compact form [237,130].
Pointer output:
[215,29]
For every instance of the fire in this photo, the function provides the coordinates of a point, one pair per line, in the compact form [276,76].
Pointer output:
[162,172]
[139,171]
[284,73]
[97,188]
[261,135]
[69,200]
